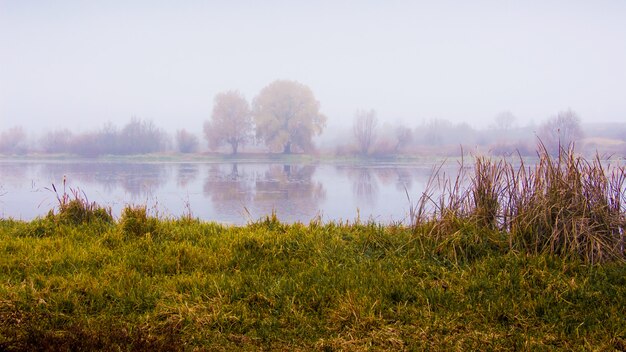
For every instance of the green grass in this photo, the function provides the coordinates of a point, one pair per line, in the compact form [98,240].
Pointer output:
[509,258]
[147,284]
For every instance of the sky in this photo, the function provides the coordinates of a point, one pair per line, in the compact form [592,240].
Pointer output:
[78,64]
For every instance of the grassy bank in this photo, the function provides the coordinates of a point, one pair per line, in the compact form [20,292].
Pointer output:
[508,257]
[146,284]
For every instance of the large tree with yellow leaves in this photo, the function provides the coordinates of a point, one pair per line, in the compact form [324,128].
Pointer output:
[287,116]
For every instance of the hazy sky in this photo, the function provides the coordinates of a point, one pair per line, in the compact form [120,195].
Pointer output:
[77,64]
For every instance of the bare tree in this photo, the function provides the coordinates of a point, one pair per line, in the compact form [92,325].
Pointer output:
[13,141]
[56,141]
[435,131]
[404,136]
[186,142]
[443,132]
[108,139]
[560,131]
[364,128]
[90,145]
[504,121]
[141,137]
[231,121]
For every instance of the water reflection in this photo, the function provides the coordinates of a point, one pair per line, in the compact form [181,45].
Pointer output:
[401,177]
[139,180]
[289,187]
[228,188]
[260,189]
[368,180]
[187,174]
[229,192]
[364,185]
[13,173]
[404,178]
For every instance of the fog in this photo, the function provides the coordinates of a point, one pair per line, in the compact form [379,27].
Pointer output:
[78,64]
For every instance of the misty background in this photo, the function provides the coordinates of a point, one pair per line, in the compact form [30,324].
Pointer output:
[79,64]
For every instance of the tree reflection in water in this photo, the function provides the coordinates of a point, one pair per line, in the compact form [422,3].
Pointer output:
[366,180]
[261,189]
[401,177]
[404,180]
[290,190]
[187,173]
[140,180]
[229,189]
[364,185]
[230,192]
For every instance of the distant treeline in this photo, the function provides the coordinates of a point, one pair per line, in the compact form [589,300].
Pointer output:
[285,117]
[136,137]
[435,137]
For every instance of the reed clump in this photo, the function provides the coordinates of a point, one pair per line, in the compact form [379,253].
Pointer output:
[75,208]
[565,205]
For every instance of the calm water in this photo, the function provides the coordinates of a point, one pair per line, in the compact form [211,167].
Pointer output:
[224,192]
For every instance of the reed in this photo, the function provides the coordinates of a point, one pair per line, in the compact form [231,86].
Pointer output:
[564,205]
[74,207]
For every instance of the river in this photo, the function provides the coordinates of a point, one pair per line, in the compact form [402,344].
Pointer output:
[226,192]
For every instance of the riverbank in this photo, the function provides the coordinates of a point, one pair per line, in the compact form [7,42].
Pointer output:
[227,158]
[141,283]
[501,257]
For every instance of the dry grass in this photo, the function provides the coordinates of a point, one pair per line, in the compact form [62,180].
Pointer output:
[565,205]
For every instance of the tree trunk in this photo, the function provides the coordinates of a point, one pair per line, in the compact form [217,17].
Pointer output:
[287,149]
[235,145]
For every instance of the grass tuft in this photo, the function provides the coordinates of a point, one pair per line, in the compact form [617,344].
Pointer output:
[135,222]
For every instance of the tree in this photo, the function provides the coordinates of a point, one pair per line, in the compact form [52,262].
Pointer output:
[560,131]
[88,144]
[504,121]
[13,141]
[57,141]
[186,142]
[404,136]
[287,116]
[107,139]
[435,131]
[364,128]
[231,121]
[140,137]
